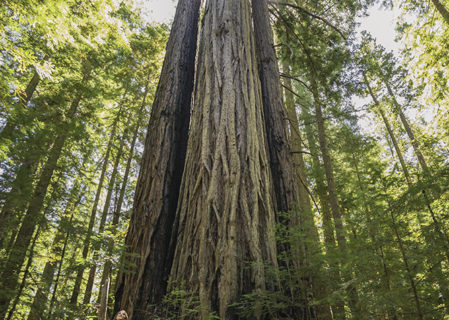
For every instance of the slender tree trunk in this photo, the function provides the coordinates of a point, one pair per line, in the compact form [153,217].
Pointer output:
[390,132]
[437,267]
[86,243]
[161,171]
[442,10]
[103,300]
[26,273]
[326,214]
[408,129]
[33,215]
[96,247]
[407,267]
[58,273]
[118,208]
[226,214]
[334,203]
[18,198]
[372,233]
[312,248]
[443,283]
[24,98]
[38,308]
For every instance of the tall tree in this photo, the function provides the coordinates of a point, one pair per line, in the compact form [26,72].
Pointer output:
[223,232]
[161,171]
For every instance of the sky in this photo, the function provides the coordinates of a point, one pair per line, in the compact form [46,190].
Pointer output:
[380,23]
[161,11]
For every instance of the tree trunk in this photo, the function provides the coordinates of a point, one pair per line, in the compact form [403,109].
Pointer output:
[86,243]
[26,273]
[58,273]
[38,308]
[442,10]
[326,214]
[96,247]
[312,247]
[275,116]
[161,171]
[118,207]
[372,233]
[334,203]
[24,98]
[33,215]
[226,214]
[18,198]
[408,129]
[443,283]
[390,133]
[407,267]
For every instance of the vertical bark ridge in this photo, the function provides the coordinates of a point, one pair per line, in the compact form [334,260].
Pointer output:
[226,208]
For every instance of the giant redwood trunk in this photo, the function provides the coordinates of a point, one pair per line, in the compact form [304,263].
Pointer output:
[275,114]
[161,171]
[226,207]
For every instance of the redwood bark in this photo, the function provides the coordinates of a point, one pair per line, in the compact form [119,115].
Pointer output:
[226,210]
[161,171]
[275,115]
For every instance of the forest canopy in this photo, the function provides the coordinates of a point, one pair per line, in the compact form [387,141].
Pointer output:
[250,159]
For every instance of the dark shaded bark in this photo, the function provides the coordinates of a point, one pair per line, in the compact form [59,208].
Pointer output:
[226,211]
[442,10]
[275,115]
[286,183]
[161,171]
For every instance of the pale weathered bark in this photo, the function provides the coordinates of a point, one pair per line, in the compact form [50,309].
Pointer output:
[226,211]
[161,171]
